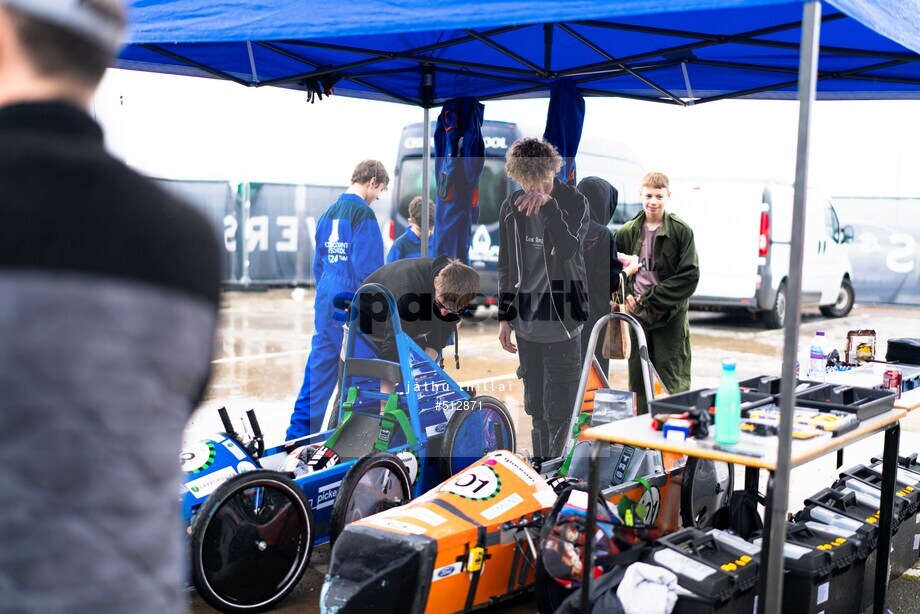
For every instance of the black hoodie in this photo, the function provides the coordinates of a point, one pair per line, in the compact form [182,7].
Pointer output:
[565,220]
[601,262]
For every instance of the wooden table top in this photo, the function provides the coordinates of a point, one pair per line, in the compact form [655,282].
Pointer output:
[638,432]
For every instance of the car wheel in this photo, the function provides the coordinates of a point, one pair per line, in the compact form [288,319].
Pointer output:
[251,542]
[705,495]
[776,316]
[375,483]
[844,304]
[472,433]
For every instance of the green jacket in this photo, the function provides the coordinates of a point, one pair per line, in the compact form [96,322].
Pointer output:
[676,261]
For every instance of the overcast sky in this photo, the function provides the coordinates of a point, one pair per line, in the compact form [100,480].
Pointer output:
[192,128]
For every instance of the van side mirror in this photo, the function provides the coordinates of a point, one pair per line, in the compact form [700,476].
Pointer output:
[847,234]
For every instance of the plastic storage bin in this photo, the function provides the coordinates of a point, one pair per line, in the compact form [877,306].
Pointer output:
[823,571]
[843,508]
[905,542]
[719,569]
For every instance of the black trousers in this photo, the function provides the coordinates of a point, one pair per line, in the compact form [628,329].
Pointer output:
[550,372]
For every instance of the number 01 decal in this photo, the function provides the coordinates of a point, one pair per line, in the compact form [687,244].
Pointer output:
[478,483]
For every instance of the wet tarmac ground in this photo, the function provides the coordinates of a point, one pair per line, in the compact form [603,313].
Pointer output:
[264,339]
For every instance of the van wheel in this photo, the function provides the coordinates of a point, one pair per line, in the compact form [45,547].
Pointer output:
[776,316]
[845,299]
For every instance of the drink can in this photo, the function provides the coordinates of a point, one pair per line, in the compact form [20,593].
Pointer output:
[892,381]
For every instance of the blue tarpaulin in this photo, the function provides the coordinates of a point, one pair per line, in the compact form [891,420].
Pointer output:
[664,50]
[671,51]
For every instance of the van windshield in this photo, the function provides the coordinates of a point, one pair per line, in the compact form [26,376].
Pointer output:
[493,187]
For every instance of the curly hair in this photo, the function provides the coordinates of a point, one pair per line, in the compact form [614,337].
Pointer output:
[531,161]
[370,169]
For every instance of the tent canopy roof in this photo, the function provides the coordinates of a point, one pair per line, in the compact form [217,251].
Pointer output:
[660,50]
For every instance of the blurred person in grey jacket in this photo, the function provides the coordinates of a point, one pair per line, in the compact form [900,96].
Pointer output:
[108,303]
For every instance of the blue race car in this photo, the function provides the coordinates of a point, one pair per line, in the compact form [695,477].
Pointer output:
[254,514]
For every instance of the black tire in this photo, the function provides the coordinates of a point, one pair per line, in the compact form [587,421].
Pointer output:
[705,495]
[844,304]
[472,433]
[549,593]
[776,316]
[376,482]
[251,542]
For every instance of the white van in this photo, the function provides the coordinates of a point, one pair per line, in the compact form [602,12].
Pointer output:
[742,232]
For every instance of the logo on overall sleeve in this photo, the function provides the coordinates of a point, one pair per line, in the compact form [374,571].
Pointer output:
[337,251]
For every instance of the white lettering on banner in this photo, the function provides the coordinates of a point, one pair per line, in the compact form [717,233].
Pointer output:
[490,142]
[230,228]
[288,226]
[310,223]
[901,259]
[259,230]
[258,234]
[502,506]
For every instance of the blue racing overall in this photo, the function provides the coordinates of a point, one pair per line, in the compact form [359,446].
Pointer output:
[349,247]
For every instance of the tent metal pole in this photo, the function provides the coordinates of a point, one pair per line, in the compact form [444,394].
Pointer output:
[246,201]
[427,97]
[426,178]
[775,529]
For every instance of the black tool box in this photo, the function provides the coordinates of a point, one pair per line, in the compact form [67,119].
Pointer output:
[823,569]
[719,569]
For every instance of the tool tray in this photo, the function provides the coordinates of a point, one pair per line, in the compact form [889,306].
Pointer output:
[770,384]
[699,401]
[864,402]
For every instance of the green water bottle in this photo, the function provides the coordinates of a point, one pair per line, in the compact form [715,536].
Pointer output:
[728,405]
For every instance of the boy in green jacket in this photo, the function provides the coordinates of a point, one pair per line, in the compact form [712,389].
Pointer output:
[659,293]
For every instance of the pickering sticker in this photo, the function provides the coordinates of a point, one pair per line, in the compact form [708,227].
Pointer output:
[204,486]
[478,483]
[197,457]
[447,571]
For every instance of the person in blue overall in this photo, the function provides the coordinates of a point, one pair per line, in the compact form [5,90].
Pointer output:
[349,247]
[409,245]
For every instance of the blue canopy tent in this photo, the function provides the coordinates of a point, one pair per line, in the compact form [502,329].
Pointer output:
[678,52]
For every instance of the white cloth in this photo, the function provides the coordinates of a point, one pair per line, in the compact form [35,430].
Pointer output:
[647,589]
